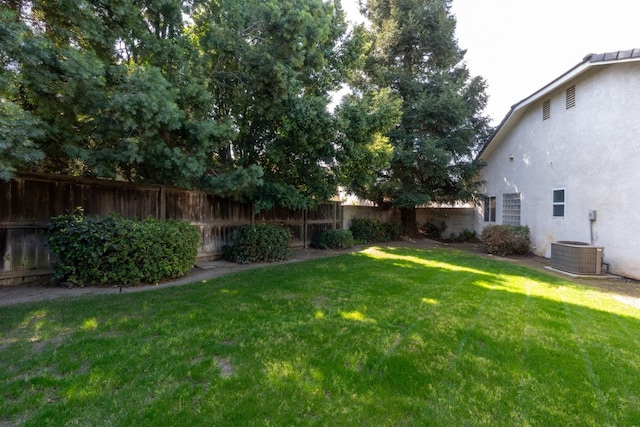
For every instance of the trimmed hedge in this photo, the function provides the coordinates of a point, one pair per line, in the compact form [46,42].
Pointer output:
[465,235]
[394,230]
[507,239]
[334,239]
[432,230]
[371,230]
[91,250]
[259,243]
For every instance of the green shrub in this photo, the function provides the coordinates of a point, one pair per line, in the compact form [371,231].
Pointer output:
[506,239]
[433,231]
[334,239]
[166,248]
[465,235]
[90,250]
[371,230]
[394,230]
[259,243]
[368,230]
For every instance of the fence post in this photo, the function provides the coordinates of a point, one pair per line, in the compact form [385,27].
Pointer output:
[162,204]
[335,216]
[305,225]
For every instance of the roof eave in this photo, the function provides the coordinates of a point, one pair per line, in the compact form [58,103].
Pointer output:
[587,63]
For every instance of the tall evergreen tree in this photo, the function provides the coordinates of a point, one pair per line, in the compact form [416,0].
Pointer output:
[116,89]
[273,64]
[20,130]
[223,95]
[417,56]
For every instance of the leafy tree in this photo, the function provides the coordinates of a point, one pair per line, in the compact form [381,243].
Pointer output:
[273,64]
[226,96]
[223,95]
[118,92]
[417,57]
[363,145]
[19,129]
[17,136]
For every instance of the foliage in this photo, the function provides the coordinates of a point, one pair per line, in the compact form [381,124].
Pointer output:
[368,230]
[436,232]
[465,235]
[433,231]
[394,230]
[377,338]
[20,130]
[18,135]
[224,96]
[334,239]
[232,97]
[363,146]
[506,239]
[259,243]
[372,230]
[116,87]
[113,250]
[416,55]
[273,65]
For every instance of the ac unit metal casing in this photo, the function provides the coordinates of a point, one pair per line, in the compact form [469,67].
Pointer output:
[577,257]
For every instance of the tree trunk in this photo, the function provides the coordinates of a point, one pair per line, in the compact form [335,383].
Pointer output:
[409,222]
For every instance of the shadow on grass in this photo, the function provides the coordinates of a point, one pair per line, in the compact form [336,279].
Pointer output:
[583,342]
[383,337]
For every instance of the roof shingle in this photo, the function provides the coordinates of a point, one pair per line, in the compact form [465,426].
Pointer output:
[612,56]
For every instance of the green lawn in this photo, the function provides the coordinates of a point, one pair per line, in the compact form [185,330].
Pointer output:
[385,337]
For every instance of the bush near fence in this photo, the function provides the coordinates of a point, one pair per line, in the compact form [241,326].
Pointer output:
[259,243]
[29,201]
[113,250]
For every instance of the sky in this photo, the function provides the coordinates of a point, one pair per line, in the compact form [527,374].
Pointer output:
[518,46]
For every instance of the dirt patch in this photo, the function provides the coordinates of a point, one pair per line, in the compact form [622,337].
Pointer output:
[225,366]
[627,289]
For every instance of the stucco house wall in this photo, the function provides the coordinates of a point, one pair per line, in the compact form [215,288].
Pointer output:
[591,150]
[457,219]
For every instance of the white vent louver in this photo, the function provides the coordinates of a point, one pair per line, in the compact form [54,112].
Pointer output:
[546,109]
[571,97]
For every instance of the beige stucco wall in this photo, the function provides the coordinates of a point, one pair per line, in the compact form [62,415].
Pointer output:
[456,218]
[592,151]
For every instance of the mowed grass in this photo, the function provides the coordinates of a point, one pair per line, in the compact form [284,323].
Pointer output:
[384,337]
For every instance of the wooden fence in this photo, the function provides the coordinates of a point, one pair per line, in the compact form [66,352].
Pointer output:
[28,201]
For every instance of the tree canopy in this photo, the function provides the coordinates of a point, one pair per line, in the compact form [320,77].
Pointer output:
[222,95]
[233,97]
[415,55]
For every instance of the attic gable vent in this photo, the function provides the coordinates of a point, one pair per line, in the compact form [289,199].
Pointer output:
[571,97]
[546,109]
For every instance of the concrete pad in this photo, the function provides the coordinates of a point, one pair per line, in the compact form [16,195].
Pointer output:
[605,276]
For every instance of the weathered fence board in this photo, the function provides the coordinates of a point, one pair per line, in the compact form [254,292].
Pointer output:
[27,203]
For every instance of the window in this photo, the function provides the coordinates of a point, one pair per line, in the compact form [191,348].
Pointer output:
[559,200]
[511,209]
[490,208]
[546,109]
[571,97]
